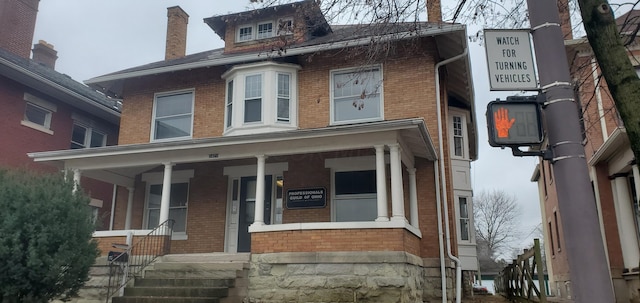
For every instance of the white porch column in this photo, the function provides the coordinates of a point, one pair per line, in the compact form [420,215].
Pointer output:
[381,184]
[259,210]
[166,193]
[76,179]
[397,193]
[626,223]
[413,197]
[127,220]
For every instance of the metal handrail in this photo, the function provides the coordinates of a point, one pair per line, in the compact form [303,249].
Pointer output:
[135,258]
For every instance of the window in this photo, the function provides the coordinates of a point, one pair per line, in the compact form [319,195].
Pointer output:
[177,206]
[285,26]
[356,95]
[229,107]
[38,113]
[253,99]
[284,96]
[555,221]
[173,116]
[464,218]
[355,196]
[85,137]
[458,137]
[265,30]
[553,250]
[261,98]
[245,33]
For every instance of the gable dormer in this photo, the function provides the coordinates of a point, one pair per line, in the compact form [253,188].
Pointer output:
[271,28]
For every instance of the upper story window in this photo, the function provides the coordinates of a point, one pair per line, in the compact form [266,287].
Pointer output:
[260,98]
[85,137]
[172,116]
[356,95]
[264,30]
[38,113]
[458,133]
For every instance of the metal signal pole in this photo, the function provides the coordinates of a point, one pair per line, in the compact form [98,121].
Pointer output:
[590,277]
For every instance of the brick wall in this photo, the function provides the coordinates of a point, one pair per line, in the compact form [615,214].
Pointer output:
[334,240]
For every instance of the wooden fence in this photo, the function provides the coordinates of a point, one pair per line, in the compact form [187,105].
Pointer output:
[516,281]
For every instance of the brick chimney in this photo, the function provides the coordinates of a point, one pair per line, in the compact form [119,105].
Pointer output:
[17,23]
[44,54]
[565,19]
[434,11]
[177,20]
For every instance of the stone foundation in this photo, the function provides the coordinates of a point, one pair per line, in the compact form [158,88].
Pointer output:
[385,276]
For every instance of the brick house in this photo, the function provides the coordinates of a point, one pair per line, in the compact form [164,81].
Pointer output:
[613,172]
[293,145]
[42,109]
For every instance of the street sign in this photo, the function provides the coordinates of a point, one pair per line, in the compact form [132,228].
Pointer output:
[514,123]
[510,60]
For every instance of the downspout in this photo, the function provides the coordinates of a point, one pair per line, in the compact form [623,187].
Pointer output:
[444,181]
[443,272]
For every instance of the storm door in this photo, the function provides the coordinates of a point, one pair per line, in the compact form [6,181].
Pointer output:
[247,209]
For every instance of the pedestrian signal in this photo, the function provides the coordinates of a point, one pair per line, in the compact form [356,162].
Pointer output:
[514,123]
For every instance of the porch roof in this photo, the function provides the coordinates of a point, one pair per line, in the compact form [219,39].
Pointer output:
[119,164]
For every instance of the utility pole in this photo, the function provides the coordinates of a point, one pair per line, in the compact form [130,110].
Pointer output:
[590,277]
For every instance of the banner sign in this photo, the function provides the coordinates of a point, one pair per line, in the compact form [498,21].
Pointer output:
[315,197]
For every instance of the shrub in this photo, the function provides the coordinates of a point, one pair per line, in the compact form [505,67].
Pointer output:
[46,248]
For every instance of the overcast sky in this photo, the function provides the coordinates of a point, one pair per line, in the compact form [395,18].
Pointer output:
[94,38]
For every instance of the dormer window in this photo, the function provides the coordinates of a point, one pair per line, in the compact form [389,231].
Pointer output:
[265,30]
[245,33]
[261,98]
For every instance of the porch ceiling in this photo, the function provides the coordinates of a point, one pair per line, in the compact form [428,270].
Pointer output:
[121,163]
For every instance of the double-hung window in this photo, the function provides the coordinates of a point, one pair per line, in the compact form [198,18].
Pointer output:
[229,106]
[178,200]
[173,116]
[86,137]
[356,95]
[284,97]
[458,137]
[253,99]
[38,113]
[245,33]
[463,208]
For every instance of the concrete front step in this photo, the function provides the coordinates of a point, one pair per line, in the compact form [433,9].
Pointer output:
[207,257]
[184,291]
[184,282]
[163,300]
[197,266]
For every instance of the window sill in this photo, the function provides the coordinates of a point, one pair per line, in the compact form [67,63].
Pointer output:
[250,129]
[37,127]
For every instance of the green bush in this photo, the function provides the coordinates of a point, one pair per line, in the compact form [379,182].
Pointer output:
[46,248]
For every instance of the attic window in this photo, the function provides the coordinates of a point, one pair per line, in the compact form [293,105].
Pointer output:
[265,30]
[245,33]
[285,26]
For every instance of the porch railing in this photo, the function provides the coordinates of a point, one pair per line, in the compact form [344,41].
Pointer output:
[125,265]
[516,281]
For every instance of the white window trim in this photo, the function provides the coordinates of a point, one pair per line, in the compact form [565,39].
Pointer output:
[49,107]
[155,178]
[244,98]
[352,70]
[273,29]
[269,121]
[153,117]
[253,33]
[285,31]
[228,117]
[465,135]
[459,217]
[348,164]
[88,134]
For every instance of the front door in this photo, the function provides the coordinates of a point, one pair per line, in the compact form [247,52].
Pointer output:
[247,209]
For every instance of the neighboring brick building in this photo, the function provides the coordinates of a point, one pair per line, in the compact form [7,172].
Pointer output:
[293,143]
[613,172]
[41,109]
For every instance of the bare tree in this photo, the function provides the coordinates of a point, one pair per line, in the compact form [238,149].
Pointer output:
[496,215]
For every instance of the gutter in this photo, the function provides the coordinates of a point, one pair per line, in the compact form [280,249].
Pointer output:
[94,104]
